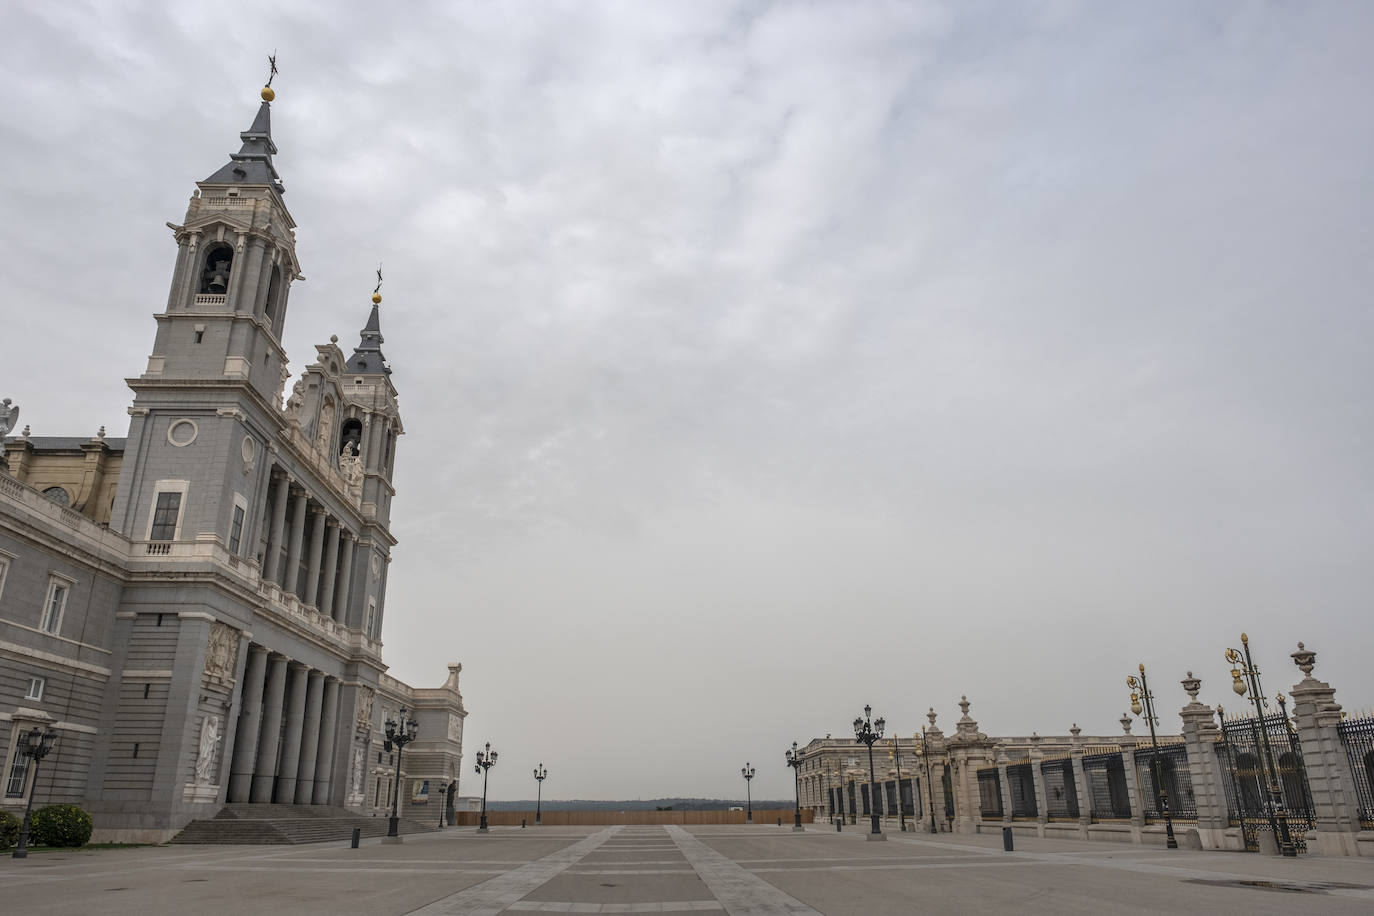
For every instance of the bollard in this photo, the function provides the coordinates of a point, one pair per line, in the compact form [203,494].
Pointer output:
[357,832]
[838,825]
[779,822]
[522,823]
[1006,839]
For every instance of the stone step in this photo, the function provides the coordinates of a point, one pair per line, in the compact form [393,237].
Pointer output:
[259,824]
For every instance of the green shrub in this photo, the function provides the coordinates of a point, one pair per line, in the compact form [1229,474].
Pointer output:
[60,825]
[9,830]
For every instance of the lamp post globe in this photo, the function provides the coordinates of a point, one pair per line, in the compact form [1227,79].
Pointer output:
[794,757]
[35,745]
[399,733]
[540,774]
[1143,703]
[485,761]
[869,731]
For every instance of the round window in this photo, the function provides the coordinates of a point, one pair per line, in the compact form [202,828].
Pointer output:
[58,495]
[182,432]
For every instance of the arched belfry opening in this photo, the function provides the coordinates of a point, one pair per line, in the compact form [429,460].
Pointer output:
[214,275]
[269,307]
[350,436]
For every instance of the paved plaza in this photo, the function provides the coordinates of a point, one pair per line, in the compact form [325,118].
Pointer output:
[719,869]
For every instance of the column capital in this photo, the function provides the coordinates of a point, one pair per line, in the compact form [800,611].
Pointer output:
[317,509]
[332,522]
[297,666]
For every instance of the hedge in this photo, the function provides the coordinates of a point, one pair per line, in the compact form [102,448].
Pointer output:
[60,825]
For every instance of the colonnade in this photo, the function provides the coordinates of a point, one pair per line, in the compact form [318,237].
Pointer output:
[324,580]
[287,731]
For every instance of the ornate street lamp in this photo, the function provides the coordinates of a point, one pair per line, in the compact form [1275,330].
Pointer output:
[870,731]
[398,735]
[930,786]
[1244,667]
[34,745]
[794,760]
[747,772]
[1140,692]
[540,774]
[901,805]
[485,761]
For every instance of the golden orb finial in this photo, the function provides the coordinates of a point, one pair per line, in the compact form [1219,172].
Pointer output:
[268,93]
[376,298]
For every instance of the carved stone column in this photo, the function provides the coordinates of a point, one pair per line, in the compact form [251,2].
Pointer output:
[293,550]
[331,567]
[341,602]
[328,744]
[312,567]
[310,739]
[250,720]
[291,747]
[265,771]
[271,568]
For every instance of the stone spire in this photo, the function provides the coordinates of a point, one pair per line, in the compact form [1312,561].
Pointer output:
[252,164]
[367,356]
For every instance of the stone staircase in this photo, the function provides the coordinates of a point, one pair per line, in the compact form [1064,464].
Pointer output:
[247,824]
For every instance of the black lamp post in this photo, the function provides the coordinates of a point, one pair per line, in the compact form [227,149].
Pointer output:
[930,786]
[748,773]
[1140,692]
[398,735]
[897,759]
[540,774]
[35,745]
[794,759]
[485,761]
[870,731]
[1245,668]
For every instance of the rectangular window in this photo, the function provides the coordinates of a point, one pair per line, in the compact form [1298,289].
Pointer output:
[36,685]
[18,777]
[53,605]
[371,617]
[236,531]
[165,517]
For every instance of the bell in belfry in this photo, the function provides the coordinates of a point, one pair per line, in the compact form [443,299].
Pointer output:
[218,281]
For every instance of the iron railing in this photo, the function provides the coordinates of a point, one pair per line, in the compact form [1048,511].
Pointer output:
[1109,799]
[1021,782]
[1245,764]
[1061,789]
[1358,737]
[1174,777]
[990,794]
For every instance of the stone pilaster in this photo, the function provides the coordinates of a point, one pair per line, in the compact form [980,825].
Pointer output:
[1204,768]
[250,721]
[331,568]
[310,739]
[293,549]
[271,566]
[265,769]
[312,562]
[329,731]
[285,792]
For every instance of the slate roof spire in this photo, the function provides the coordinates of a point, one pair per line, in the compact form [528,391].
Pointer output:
[367,355]
[252,164]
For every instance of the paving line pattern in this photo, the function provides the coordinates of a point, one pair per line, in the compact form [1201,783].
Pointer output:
[667,906]
[739,891]
[499,893]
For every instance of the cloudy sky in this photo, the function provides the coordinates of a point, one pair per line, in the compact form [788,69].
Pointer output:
[763,360]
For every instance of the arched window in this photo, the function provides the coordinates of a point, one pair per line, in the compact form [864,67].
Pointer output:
[214,276]
[350,434]
[58,495]
[269,307]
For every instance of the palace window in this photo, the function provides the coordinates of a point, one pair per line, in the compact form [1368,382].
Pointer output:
[54,603]
[58,495]
[165,517]
[36,685]
[236,524]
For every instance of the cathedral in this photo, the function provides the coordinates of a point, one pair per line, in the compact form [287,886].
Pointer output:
[196,610]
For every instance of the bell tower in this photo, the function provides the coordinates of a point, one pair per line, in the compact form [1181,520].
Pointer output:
[217,360]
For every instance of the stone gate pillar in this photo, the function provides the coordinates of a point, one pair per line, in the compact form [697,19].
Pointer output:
[1204,768]
[1336,806]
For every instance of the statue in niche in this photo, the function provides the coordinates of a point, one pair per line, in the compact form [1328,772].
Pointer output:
[351,464]
[205,761]
[281,385]
[222,651]
[365,709]
[326,429]
[296,401]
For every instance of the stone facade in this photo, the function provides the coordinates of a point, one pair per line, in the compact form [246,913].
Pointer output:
[197,608]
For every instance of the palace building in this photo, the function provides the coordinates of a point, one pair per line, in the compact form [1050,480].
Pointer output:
[196,609]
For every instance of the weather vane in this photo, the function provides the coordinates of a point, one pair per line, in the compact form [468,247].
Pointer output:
[379,279]
[271,62]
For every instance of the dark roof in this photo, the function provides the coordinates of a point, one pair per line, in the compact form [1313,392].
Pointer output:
[253,163]
[63,443]
[367,357]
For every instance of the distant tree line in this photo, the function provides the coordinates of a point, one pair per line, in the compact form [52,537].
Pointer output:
[637,804]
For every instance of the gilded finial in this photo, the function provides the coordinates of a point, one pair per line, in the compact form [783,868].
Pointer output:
[377,293]
[268,94]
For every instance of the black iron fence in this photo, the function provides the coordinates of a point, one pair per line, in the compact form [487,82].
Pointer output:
[1357,735]
[1021,783]
[1174,778]
[1061,789]
[1109,799]
[990,794]
[1260,757]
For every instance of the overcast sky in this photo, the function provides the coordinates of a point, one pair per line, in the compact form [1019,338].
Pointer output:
[760,361]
